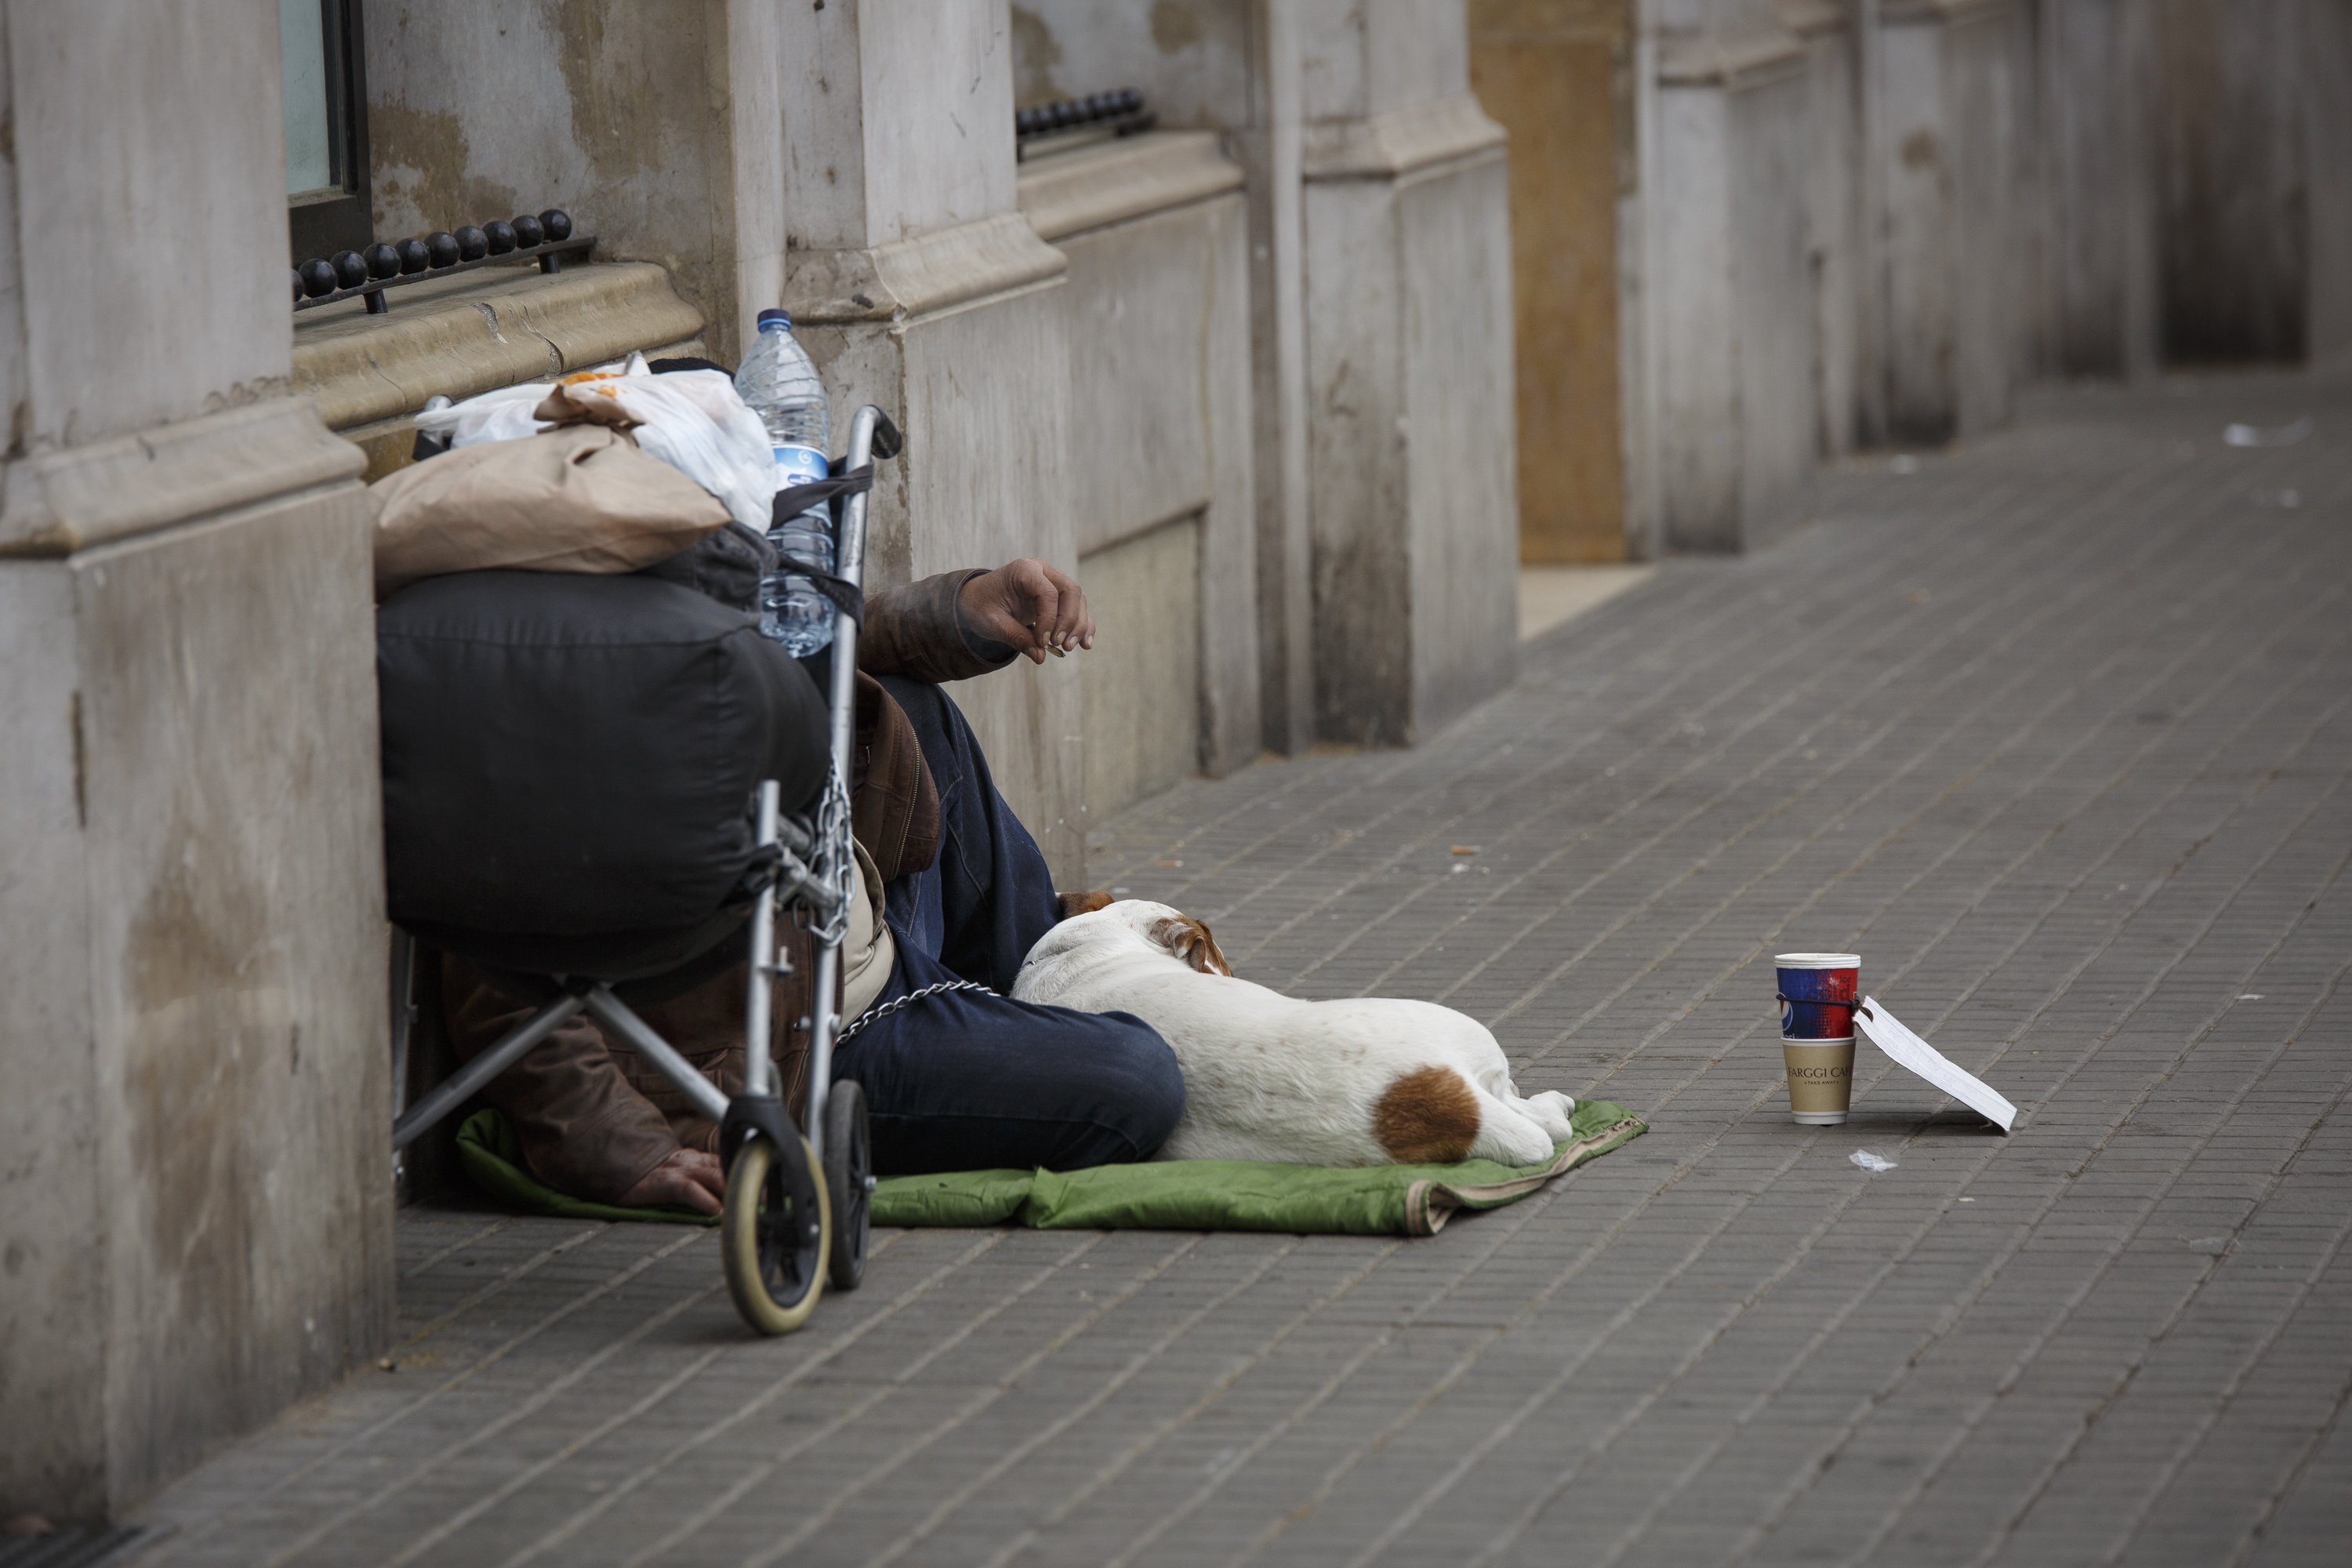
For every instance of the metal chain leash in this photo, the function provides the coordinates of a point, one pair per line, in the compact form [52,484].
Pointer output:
[886,1008]
[836,864]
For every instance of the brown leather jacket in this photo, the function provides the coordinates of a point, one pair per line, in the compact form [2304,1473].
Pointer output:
[593,1116]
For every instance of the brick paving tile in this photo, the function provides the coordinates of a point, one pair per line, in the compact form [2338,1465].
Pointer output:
[2055,730]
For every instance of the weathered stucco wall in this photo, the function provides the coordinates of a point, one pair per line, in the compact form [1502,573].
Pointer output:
[917,286]
[1341,112]
[2094,76]
[2234,246]
[1733,301]
[1833,222]
[1960,282]
[1453,237]
[655,123]
[1156,231]
[1412,465]
[1143,687]
[1230,66]
[192,940]
[2327,129]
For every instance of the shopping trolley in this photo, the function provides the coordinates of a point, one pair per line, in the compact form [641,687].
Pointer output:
[794,1215]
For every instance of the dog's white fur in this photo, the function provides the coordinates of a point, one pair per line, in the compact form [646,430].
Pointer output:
[1267,1077]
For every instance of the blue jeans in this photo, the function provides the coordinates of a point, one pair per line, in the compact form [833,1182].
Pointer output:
[961,1080]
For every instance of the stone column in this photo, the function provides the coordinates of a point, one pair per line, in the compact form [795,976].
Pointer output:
[1833,219]
[1956,95]
[2327,121]
[918,286]
[192,937]
[2234,180]
[1412,476]
[2094,79]
[1730,299]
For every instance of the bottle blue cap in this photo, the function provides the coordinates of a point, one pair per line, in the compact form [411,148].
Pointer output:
[775,319]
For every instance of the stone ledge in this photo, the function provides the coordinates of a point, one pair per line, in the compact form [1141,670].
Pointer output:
[1111,183]
[930,273]
[1914,13]
[1812,18]
[62,502]
[470,337]
[1743,58]
[1403,142]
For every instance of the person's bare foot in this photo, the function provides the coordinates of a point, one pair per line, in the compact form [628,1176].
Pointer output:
[689,1179]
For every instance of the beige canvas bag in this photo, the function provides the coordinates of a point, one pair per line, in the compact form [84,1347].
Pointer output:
[581,498]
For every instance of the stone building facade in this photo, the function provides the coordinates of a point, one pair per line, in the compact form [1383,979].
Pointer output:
[1393,295]
[1248,372]
[1754,235]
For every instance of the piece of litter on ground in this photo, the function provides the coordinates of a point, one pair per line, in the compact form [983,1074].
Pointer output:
[1968,1200]
[2211,1246]
[2265,436]
[1167,862]
[1457,870]
[1118,892]
[1464,850]
[1916,1056]
[1870,1161]
[2249,995]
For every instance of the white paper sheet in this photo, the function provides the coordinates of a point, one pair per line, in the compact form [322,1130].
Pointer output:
[1914,1055]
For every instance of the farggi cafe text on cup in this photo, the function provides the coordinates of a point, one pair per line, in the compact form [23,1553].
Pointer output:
[1817,991]
[1821,1080]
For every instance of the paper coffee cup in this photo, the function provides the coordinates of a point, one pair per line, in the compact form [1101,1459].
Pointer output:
[1821,1080]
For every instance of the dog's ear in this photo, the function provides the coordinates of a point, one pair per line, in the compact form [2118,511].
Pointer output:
[1190,940]
[1074,904]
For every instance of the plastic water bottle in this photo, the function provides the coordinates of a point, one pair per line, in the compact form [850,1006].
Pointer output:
[781,387]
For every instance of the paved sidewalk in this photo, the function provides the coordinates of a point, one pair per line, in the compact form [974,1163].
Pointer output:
[2053,731]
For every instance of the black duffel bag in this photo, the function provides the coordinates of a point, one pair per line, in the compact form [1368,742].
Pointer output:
[570,764]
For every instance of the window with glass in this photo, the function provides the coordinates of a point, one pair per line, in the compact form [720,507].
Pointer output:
[322,54]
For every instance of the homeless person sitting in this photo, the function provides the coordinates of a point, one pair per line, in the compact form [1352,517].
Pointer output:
[954,889]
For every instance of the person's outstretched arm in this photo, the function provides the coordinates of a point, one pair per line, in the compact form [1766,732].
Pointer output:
[961,624]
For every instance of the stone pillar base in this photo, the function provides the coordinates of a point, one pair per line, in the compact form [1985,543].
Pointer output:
[1732,299]
[198,1170]
[1957,276]
[1414,484]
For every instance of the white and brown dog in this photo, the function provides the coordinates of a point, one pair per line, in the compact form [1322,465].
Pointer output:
[1360,1081]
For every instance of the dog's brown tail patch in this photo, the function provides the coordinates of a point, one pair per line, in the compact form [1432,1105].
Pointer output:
[1076,904]
[1427,1117]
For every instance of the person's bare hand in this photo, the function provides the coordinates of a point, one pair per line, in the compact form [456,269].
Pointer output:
[1029,607]
[689,1179]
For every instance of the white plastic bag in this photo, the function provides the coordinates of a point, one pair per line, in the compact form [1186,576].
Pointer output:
[693,420]
[501,415]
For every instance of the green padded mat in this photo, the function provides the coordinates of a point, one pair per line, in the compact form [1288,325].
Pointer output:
[1173,1195]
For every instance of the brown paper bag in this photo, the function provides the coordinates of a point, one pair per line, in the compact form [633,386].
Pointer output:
[582,499]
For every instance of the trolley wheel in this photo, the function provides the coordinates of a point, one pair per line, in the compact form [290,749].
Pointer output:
[848,1165]
[775,1267]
